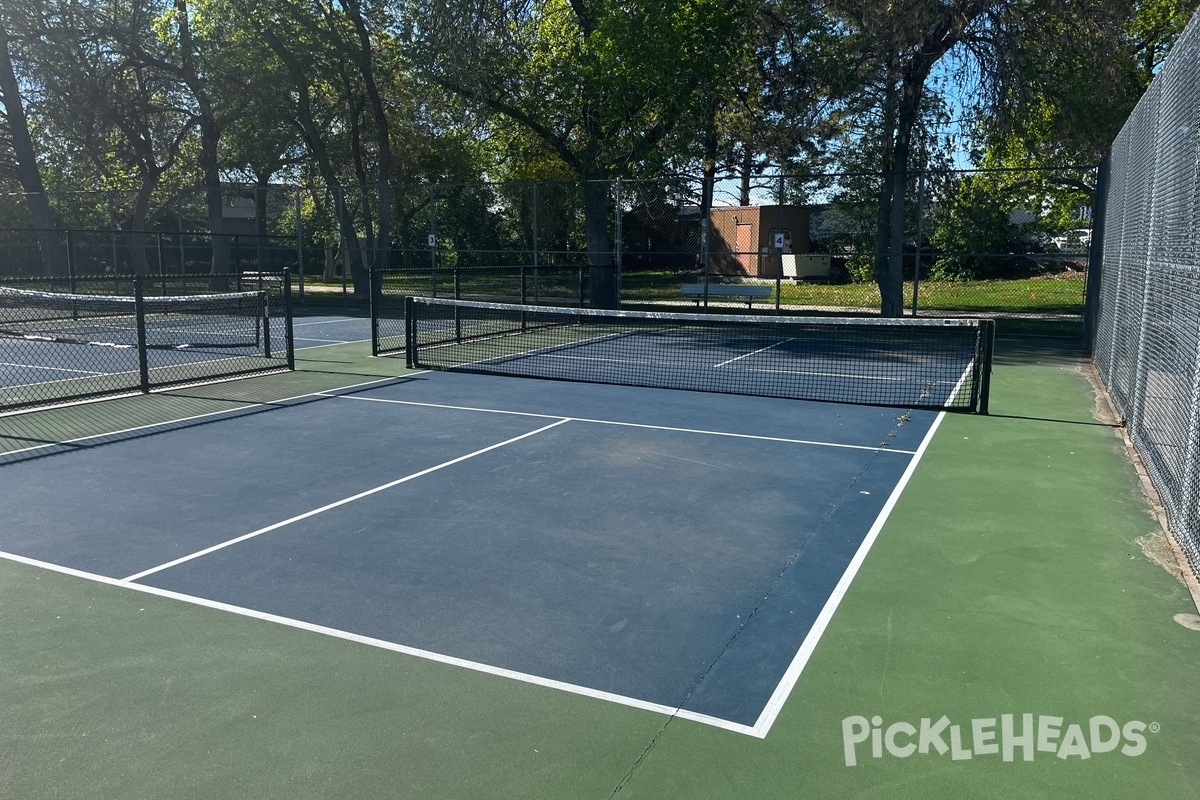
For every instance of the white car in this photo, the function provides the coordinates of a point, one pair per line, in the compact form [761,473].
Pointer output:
[1075,240]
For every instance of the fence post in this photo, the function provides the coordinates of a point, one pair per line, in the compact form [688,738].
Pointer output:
[536,249]
[162,267]
[287,317]
[139,313]
[433,239]
[1091,289]
[112,228]
[70,262]
[779,246]
[299,247]
[617,244]
[375,289]
[179,229]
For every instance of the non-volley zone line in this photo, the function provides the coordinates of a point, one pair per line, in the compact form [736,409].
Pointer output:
[338,503]
[619,423]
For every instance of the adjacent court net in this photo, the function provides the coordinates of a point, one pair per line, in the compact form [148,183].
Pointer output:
[205,321]
[60,346]
[912,363]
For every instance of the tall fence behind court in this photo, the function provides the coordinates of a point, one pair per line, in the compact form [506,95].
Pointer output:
[975,242]
[1144,317]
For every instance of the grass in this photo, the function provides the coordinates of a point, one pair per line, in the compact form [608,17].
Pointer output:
[1039,295]
[1057,294]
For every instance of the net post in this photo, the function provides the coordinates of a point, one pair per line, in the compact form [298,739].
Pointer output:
[410,335]
[987,346]
[264,321]
[139,313]
[287,318]
[374,290]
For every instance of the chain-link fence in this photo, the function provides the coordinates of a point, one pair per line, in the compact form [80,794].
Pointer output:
[1144,320]
[1002,242]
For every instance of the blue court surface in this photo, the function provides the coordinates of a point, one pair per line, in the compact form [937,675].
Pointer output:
[675,551]
[323,331]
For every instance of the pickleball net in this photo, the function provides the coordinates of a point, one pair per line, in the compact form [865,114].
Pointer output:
[910,363]
[216,321]
[58,346]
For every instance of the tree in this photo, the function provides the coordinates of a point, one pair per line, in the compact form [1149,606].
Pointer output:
[99,94]
[22,160]
[903,42]
[601,84]
[1060,95]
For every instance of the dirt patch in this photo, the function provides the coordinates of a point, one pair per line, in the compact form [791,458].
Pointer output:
[1157,549]
[1189,621]
[1159,546]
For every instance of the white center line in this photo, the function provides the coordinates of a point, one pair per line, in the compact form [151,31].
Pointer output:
[756,352]
[336,504]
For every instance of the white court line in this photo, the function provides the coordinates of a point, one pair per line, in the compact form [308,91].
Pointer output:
[427,655]
[333,344]
[337,321]
[153,370]
[42,366]
[754,353]
[751,436]
[851,375]
[784,688]
[234,410]
[336,504]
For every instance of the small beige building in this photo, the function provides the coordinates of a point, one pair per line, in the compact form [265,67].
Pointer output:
[743,239]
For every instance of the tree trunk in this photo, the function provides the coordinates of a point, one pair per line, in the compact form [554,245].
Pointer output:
[887,191]
[383,234]
[261,191]
[137,225]
[54,252]
[747,167]
[602,275]
[210,136]
[889,242]
[316,147]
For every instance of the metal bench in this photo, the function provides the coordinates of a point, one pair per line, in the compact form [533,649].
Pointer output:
[746,293]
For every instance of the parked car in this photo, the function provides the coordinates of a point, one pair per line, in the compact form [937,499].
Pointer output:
[1074,240]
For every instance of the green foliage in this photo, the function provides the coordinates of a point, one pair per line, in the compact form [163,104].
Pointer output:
[861,268]
[969,227]
[1069,86]
[551,90]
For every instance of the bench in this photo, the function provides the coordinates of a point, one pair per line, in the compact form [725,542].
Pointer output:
[743,292]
